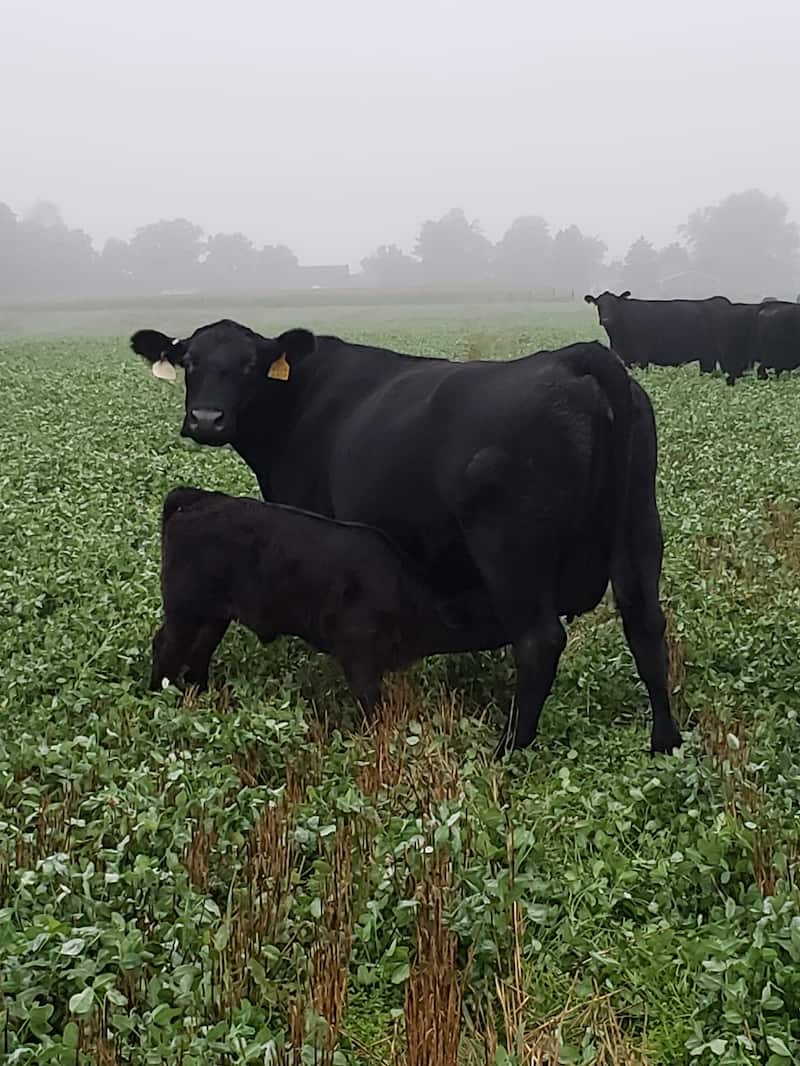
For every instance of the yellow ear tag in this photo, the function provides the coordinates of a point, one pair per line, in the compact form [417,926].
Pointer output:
[279,369]
[164,370]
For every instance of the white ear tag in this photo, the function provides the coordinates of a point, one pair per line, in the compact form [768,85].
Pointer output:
[164,370]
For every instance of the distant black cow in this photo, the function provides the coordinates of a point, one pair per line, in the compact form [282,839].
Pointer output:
[734,327]
[530,483]
[661,332]
[777,339]
[341,586]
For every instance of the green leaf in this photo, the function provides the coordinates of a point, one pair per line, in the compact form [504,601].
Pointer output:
[777,1046]
[400,974]
[162,1015]
[38,1018]
[72,947]
[82,1002]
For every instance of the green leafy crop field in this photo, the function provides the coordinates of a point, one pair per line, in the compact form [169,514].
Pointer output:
[255,876]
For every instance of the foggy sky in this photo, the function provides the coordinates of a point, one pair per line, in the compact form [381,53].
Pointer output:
[337,125]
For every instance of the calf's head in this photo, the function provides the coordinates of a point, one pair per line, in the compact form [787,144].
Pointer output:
[606,304]
[228,369]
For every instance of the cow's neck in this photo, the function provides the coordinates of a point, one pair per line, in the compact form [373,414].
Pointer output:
[262,439]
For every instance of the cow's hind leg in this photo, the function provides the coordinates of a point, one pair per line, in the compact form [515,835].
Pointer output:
[636,572]
[519,570]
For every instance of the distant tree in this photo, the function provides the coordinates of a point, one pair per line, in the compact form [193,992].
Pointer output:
[746,242]
[116,276]
[45,214]
[276,266]
[673,259]
[166,255]
[640,272]
[610,276]
[453,250]
[230,262]
[577,261]
[389,267]
[50,259]
[522,255]
[8,220]
[8,253]
[41,257]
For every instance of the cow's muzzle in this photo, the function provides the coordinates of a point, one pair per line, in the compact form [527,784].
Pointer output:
[206,425]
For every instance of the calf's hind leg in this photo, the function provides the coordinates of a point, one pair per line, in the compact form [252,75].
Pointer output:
[205,644]
[172,645]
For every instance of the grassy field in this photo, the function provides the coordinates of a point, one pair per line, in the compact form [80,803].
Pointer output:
[213,880]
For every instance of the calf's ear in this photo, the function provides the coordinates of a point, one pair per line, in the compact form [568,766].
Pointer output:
[589,299]
[625,295]
[155,346]
[291,345]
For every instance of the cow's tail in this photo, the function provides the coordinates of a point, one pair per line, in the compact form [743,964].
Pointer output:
[610,373]
[177,498]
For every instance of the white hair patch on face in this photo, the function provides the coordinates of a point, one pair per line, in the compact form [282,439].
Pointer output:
[165,682]
[164,370]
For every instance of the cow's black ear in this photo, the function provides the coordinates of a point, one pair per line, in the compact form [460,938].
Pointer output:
[589,299]
[295,343]
[155,346]
[625,295]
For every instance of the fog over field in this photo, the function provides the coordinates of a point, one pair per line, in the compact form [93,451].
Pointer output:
[517,284]
[335,128]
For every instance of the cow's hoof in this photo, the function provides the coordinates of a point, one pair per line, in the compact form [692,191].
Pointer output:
[666,741]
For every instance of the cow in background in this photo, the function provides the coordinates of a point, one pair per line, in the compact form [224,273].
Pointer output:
[656,332]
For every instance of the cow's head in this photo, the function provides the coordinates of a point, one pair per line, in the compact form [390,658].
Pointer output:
[227,369]
[606,304]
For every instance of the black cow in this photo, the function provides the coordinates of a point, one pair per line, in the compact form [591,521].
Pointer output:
[777,339]
[661,332]
[341,586]
[734,328]
[531,482]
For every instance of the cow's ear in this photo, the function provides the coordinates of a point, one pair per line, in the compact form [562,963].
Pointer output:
[625,295]
[589,299]
[291,345]
[157,347]
[295,343]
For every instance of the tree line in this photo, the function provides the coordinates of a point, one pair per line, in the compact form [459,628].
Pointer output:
[745,246]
